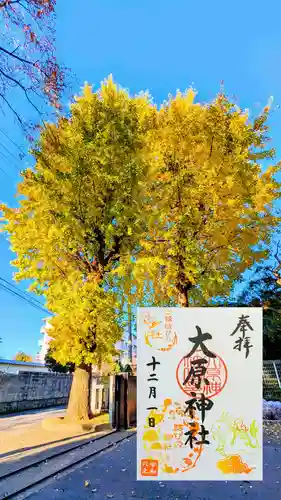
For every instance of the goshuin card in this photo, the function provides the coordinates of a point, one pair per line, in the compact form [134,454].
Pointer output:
[199,394]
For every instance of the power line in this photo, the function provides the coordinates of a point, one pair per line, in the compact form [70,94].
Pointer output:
[24,298]
[8,151]
[33,304]
[8,161]
[20,294]
[4,171]
[21,291]
[14,143]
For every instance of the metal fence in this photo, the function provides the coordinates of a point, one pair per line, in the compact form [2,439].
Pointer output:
[272,380]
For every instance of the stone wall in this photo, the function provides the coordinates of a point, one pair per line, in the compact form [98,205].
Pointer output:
[31,390]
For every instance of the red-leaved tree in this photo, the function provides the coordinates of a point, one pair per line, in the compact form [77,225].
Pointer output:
[28,61]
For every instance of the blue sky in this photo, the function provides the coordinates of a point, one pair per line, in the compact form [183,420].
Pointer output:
[160,47]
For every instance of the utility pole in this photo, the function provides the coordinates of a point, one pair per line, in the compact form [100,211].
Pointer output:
[130,350]
[130,333]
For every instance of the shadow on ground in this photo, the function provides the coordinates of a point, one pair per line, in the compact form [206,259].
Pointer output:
[41,445]
[15,463]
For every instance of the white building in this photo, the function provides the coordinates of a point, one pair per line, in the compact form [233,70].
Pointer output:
[124,346]
[13,366]
[45,341]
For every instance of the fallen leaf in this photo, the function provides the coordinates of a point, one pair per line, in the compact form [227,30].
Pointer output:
[86,483]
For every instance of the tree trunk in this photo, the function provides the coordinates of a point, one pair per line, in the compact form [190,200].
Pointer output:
[183,286]
[183,299]
[183,295]
[79,400]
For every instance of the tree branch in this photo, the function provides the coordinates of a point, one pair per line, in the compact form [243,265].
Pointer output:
[6,3]
[213,256]
[22,87]
[12,54]
[114,254]
[276,270]
[61,270]
[12,109]
[211,148]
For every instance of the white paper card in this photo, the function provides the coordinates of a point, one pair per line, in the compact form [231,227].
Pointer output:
[199,394]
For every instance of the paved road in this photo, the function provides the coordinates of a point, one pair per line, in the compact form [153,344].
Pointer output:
[28,418]
[112,475]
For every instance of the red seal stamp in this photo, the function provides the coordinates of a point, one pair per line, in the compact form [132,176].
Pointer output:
[149,467]
[201,374]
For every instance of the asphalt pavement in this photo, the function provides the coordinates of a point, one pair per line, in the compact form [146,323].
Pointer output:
[112,474]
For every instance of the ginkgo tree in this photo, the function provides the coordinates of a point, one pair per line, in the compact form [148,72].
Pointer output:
[211,213]
[79,213]
[22,356]
[161,207]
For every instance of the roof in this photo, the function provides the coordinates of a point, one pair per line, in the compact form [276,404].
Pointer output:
[22,363]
